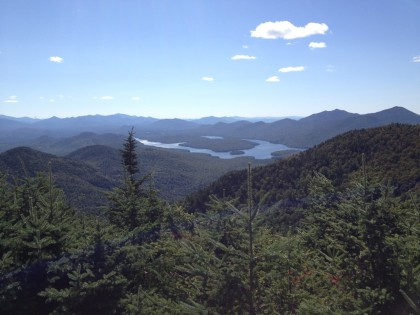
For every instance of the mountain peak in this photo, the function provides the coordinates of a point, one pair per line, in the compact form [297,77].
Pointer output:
[396,114]
[328,115]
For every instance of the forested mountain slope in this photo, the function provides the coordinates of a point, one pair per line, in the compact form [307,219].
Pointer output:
[83,184]
[392,154]
[175,173]
[88,173]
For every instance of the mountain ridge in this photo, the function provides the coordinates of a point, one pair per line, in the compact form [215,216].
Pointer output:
[303,133]
[391,152]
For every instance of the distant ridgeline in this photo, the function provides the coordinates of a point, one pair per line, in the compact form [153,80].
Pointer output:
[392,155]
[47,135]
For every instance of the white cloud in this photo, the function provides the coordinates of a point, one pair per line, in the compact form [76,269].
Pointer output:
[273,79]
[56,59]
[416,58]
[135,98]
[107,98]
[12,99]
[52,101]
[207,79]
[286,30]
[243,57]
[315,45]
[291,69]
[245,46]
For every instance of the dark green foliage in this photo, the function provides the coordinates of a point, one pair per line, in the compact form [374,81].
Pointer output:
[129,155]
[344,239]
[37,227]
[356,251]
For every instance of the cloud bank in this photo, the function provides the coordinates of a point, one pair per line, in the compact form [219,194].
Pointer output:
[207,79]
[286,30]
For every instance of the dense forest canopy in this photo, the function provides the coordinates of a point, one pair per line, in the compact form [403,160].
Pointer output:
[354,251]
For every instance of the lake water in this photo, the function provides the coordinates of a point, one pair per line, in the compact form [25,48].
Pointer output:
[261,151]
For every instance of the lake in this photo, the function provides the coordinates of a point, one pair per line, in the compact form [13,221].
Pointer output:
[261,151]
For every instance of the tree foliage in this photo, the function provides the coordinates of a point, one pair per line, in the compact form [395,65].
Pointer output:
[356,251]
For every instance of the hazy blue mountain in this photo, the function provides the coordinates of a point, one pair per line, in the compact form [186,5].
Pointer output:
[94,122]
[212,120]
[303,133]
[171,124]
[10,124]
[20,119]
[326,116]
[307,132]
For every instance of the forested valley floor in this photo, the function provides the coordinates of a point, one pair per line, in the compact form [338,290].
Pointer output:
[353,248]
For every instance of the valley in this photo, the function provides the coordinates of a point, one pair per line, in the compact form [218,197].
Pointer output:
[166,220]
[209,157]
[181,157]
[91,232]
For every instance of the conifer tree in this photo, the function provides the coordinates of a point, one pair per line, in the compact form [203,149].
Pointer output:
[39,229]
[124,202]
[129,155]
[354,258]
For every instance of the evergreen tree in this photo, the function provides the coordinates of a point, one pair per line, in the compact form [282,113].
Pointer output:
[39,228]
[124,202]
[354,261]
[129,155]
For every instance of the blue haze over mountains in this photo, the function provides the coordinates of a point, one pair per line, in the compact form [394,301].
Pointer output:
[86,157]
[299,133]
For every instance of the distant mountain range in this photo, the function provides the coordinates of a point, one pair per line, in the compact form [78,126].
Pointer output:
[302,133]
[314,129]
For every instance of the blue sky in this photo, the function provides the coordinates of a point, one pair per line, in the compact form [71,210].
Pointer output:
[196,58]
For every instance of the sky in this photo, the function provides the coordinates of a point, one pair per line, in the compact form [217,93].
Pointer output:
[198,58]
